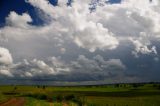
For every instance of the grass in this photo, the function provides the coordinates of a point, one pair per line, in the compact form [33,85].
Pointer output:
[35,102]
[3,98]
[107,95]
[124,101]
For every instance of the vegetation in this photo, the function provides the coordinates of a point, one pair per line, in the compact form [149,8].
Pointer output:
[103,95]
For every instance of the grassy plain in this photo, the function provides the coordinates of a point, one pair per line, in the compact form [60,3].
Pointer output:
[102,95]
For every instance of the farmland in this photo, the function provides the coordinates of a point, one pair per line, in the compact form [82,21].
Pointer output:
[102,95]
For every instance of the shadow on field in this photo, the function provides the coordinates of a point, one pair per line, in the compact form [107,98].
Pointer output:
[79,100]
[132,93]
[57,98]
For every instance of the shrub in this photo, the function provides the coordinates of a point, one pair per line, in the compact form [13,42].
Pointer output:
[69,97]
[37,96]
[41,96]
[59,98]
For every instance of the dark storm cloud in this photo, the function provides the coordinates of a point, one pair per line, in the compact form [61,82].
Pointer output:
[81,69]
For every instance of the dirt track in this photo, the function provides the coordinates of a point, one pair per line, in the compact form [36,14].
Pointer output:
[14,102]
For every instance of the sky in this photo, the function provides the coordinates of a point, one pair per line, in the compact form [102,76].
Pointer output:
[79,41]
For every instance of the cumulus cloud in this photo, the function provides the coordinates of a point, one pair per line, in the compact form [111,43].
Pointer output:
[96,36]
[16,20]
[5,72]
[38,68]
[97,68]
[5,62]
[65,21]
[5,56]
[54,68]
[102,29]
[90,25]
[141,45]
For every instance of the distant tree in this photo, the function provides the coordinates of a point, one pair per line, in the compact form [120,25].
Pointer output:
[154,85]
[15,88]
[136,85]
[151,82]
[38,86]
[117,85]
[159,87]
[44,87]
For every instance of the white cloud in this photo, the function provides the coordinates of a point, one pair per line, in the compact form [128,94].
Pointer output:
[95,36]
[107,27]
[74,20]
[5,62]
[102,29]
[38,68]
[5,56]
[5,73]
[43,5]
[141,45]
[16,20]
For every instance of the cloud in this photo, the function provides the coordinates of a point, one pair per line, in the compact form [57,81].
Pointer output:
[54,68]
[96,37]
[102,29]
[38,68]
[97,68]
[5,56]
[5,73]
[64,22]
[141,45]
[156,59]
[62,50]
[115,62]
[15,20]
[5,61]
[85,27]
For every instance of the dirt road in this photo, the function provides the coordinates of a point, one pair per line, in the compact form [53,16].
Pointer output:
[14,102]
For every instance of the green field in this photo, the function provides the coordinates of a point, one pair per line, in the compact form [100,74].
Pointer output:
[104,95]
